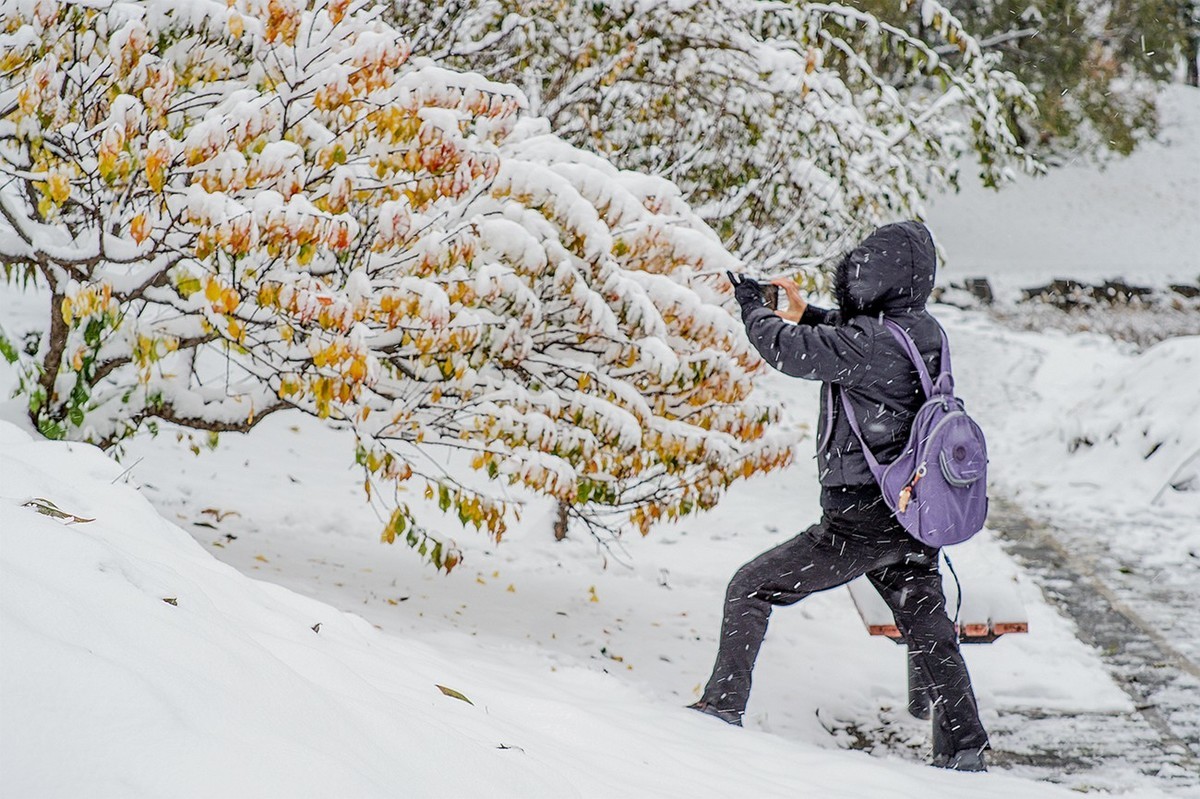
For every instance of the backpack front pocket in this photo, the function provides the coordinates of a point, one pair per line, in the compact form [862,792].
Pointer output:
[962,454]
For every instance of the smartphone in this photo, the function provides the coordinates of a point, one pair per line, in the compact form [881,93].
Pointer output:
[770,295]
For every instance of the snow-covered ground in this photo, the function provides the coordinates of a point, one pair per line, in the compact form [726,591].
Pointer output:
[580,662]
[577,661]
[575,674]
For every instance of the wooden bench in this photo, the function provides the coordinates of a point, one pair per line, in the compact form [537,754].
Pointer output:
[991,607]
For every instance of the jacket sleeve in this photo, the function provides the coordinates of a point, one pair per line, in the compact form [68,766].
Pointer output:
[822,352]
[819,316]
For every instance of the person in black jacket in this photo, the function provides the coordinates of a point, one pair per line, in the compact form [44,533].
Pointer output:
[850,351]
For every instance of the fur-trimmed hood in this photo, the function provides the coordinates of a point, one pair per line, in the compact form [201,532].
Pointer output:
[890,272]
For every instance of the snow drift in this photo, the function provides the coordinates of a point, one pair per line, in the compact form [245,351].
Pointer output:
[134,664]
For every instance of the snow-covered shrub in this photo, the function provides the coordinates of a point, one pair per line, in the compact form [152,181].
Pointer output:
[264,205]
[791,127]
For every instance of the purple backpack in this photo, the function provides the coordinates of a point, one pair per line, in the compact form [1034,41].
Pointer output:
[937,488]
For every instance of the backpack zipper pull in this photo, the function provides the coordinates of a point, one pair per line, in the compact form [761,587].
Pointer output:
[907,492]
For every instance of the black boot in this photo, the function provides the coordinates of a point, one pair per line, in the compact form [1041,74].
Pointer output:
[733,717]
[962,760]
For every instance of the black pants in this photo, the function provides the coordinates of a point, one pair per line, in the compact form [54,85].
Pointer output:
[853,538]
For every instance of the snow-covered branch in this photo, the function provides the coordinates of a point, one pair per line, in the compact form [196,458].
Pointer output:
[260,206]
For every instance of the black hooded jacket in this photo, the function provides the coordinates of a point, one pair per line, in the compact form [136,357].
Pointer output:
[889,274]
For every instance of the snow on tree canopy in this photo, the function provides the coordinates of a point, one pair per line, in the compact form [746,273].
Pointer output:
[792,127]
[256,206]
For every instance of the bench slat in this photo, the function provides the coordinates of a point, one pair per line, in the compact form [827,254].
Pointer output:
[991,608]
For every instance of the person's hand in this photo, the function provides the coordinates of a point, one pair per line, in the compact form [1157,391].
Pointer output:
[746,290]
[796,302]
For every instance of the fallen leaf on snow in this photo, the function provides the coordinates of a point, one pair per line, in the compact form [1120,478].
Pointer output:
[453,693]
[48,508]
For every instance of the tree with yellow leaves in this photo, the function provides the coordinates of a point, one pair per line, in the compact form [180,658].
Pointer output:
[267,205]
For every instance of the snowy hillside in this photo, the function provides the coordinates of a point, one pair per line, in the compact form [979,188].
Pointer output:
[1133,218]
[136,665]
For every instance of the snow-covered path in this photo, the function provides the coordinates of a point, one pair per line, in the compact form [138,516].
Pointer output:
[1162,736]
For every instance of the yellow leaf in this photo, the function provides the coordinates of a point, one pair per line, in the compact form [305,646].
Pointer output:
[59,187]
[261,559]
[592,597]
[512,589]
[157,178]
[139,228]
[453,693]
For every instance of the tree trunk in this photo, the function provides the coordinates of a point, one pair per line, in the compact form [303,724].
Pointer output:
[1192,53]
[560,520]
[51,363]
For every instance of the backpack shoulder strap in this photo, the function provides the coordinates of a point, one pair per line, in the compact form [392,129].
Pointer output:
[872,462]
[945,379]
[945,385]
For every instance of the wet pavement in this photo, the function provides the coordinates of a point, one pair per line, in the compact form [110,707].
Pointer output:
[1144,648]
[1140,629]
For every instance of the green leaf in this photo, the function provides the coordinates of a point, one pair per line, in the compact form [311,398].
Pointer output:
[91,333]
[79,394]
[7,349]
[188,286]
[51,429]
[453,693]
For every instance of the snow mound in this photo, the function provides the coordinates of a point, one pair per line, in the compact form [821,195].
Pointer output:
[134,664]
[224,690]
[1142,420]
